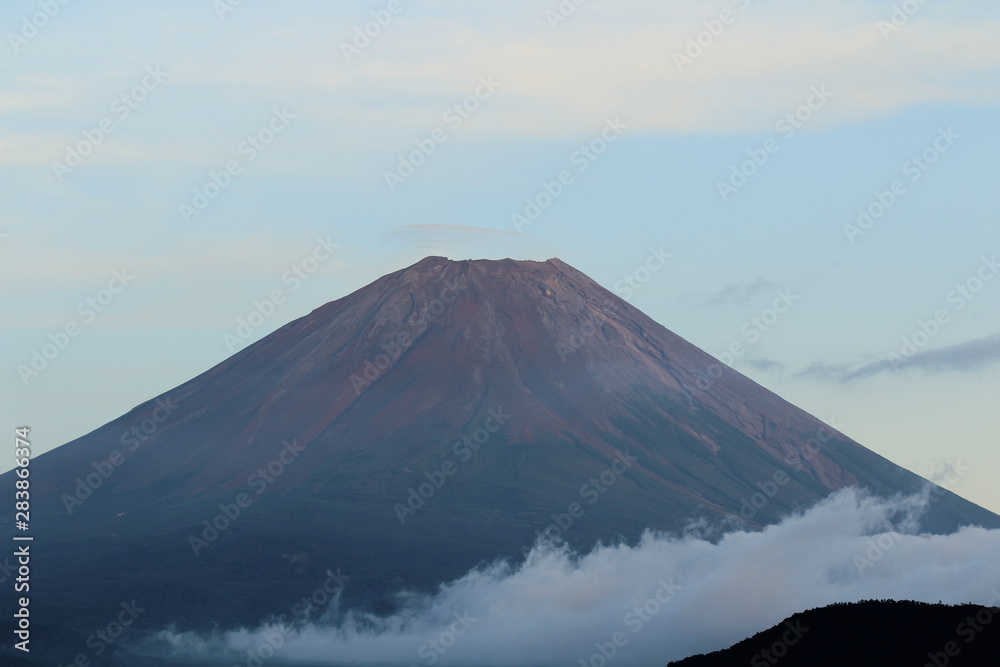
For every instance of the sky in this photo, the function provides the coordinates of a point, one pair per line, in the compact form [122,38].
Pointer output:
[170,169]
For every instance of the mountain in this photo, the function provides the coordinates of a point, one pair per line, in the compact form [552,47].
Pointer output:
[442,416]
[869,634]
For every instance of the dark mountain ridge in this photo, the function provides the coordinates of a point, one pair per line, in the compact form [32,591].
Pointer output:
[873,633]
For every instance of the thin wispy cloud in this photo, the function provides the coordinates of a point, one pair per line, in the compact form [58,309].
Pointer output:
[970,356]
[822,370]
[739,293]
[443,238]
[765,365]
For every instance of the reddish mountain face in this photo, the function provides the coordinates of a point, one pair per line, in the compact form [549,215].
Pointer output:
[443,415]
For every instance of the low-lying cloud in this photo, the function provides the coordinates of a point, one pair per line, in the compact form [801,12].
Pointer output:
[667,596]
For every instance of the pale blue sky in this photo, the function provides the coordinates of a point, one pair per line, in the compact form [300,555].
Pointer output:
[893,94]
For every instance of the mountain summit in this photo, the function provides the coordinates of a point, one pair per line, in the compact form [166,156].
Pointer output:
[445,415]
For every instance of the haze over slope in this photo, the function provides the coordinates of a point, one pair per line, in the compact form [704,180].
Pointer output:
[441,416]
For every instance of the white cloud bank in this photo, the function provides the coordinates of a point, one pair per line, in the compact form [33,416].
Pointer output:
[669,597]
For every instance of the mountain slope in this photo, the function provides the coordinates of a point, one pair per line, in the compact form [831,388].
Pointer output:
[444,415]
